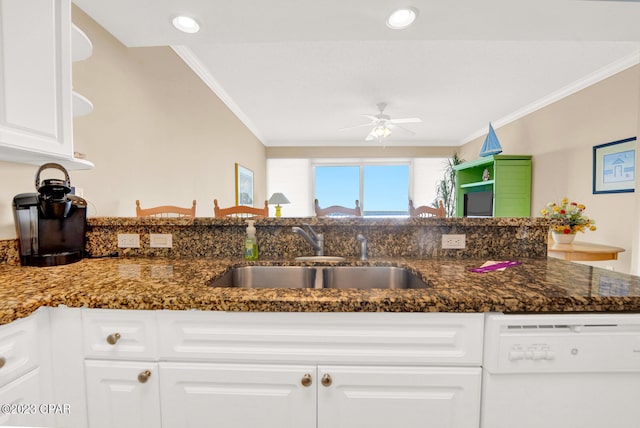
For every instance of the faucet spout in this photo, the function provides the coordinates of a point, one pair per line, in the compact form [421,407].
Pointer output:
[363,246]
[315,239]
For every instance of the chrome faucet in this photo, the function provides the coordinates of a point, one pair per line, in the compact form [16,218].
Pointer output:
[315,239]
[363,246]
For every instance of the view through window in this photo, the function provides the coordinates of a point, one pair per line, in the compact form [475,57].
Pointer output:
[383,190]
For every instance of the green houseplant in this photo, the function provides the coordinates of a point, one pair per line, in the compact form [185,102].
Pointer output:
[446,188]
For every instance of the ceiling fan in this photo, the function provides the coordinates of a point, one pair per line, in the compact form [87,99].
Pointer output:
[383,125]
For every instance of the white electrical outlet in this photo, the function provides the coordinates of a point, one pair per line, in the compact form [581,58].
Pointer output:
[457,242]
[128,240]
[160,240]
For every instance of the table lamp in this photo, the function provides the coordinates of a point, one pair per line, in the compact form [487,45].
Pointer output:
[278,198]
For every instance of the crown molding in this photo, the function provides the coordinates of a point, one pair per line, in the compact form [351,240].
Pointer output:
[195,64]
[591,79]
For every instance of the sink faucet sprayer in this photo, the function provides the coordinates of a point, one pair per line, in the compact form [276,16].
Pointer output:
[315,239]
[363,246]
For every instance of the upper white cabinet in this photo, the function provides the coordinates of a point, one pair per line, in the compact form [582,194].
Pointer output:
[35,83]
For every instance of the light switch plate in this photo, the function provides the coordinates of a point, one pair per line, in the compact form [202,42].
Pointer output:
[161,240]
[456,242]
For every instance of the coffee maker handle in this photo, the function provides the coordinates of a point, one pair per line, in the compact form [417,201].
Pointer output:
[54,166]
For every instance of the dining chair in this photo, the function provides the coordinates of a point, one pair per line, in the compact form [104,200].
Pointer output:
[337,210]
[426,211]
[165,211]
[240,211]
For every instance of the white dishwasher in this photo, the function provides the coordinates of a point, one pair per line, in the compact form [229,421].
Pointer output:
[561,371]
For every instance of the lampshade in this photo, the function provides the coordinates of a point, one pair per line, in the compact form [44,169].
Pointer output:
[278,198]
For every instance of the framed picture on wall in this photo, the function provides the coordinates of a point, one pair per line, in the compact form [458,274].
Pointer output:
[614,166]
[244,186]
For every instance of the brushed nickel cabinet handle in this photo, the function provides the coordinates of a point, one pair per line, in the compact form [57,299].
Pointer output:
[326,380]
[112,339]
[306,380]
[144,376]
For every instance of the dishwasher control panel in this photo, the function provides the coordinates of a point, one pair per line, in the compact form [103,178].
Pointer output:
[562,343]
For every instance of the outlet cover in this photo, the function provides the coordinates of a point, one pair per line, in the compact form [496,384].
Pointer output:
[457,242]
[160,240]
[128,240]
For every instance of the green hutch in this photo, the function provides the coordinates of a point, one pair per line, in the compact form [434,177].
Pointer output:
[509,178]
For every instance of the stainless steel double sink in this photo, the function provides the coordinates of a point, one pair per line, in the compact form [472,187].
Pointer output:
[361,277]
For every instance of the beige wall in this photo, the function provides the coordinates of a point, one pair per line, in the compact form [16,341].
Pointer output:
[561,137]
[157,133]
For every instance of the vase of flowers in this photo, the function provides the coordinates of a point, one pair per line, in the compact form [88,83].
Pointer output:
[567,219]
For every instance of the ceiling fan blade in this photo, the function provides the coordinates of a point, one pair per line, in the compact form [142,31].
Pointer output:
[402,128]
[407,120]
[354,127]
[371,137]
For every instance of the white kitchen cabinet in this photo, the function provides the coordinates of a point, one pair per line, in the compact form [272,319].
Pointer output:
[122,394]
[35,83]
[396,396]
[121,369]
[25,371]
[367,370]
[238,395]
[290,396]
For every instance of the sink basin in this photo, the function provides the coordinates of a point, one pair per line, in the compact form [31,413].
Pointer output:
[268,277]
[365,277]
[320,259]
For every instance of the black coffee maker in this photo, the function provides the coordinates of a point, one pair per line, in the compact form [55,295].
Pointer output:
[51,223]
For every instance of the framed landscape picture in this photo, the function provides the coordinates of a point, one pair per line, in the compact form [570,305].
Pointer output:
[614,166]
[244,186]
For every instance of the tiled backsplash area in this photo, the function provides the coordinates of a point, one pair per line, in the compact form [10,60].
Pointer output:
[501,238]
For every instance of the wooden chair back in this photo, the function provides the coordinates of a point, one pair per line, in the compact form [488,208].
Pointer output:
[240,211]
[426,211]
[165,211]
[337,210]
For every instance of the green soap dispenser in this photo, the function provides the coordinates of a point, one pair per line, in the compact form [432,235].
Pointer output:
[250,242]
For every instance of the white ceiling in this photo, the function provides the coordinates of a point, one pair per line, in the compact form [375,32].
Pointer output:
[297,71]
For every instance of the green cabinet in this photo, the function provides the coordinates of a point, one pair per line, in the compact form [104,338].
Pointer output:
[509,178]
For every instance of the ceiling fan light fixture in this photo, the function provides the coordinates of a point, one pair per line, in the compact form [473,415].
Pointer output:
[402,18]
[381,131]
[186,24]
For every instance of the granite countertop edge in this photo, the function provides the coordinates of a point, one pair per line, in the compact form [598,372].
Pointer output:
[536,286]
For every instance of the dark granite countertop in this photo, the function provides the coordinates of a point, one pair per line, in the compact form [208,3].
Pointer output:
[538,285]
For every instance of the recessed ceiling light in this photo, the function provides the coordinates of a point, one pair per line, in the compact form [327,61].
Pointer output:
[402,18]
[186,24]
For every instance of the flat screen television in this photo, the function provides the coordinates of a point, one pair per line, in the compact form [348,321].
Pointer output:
[478,204]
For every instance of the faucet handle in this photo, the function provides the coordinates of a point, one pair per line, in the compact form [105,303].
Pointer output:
[311,231]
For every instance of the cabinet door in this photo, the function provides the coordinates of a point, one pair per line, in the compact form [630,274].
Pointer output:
[237,395]
[35,77]
[122,394]
[24,402]
[407,397]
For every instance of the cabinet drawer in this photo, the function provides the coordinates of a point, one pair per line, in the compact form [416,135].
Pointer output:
[20,349]
[119,335]
[362,338]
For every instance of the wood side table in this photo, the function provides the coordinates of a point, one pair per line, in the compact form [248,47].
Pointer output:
[582,251]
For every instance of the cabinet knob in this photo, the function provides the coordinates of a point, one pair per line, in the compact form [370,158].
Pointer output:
[326,380]
[3,361]
[144,376]
[112,339]
[306,380]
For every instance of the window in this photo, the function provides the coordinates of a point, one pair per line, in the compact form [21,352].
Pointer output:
[382,189]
